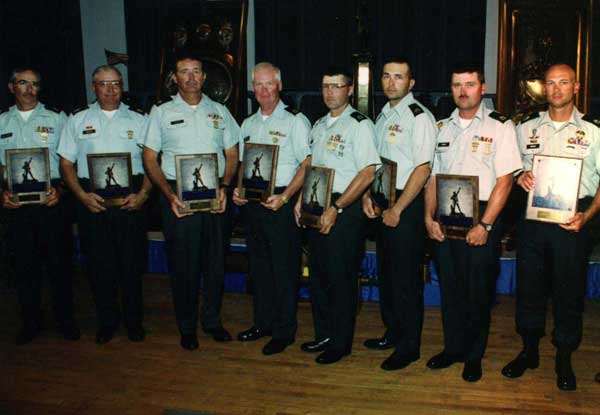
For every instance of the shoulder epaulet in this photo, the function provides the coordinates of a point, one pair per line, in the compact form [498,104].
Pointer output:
[416,109]
[499,117]
[293,111]
[138,110]
[75,111]
[358,116]
[594,119]
[159,103]
[530,116]
[53,109]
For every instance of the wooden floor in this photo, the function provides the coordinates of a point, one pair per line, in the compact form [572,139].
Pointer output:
[54,377]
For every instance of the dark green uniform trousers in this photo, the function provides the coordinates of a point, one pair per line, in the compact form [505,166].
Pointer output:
[467,276]
[195,247]
[274,252]
[400,255]
[334,262]
[552,262]
[44,237]
[115,244]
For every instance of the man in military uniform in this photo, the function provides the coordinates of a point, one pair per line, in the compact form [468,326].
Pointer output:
[43,232]
[405,132]
[342,140]
[273,239]
[112,238]
[192,123]
[474,141]
[552,258]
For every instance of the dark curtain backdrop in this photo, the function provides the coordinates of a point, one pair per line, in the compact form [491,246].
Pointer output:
[305,36]
[46,35]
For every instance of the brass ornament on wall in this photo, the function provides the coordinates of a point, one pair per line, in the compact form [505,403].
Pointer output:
[534,35]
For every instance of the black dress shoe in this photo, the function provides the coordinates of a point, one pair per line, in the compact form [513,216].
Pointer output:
[443,360]
[520,364]
[104,335]
[136,334]
[472,371]
[71,332]
[26,336]
[219,334]
[189,341]
[330,356]
[397,361]
[253,333]
[565,377]
[382,343]
[275,346]
[315,346]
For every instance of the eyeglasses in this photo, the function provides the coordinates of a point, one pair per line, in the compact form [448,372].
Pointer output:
[25,82]
[107,83]
[335,87]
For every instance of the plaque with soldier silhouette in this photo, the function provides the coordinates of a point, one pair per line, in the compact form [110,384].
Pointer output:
[110,176]
[28,174]
[256,178]
[383,188]
[316,195]
[457,204]
[555,194]
[197,182]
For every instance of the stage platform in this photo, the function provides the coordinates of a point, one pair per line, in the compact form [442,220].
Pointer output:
[505,285]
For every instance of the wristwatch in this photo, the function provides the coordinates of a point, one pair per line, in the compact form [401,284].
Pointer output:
[486,226]
[337,208]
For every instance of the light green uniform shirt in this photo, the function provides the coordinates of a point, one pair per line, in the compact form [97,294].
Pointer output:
[90,131]
[42,129]
[285,128]
[175,127]
[347,145]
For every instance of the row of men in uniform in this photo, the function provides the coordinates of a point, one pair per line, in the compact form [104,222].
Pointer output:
[474,140]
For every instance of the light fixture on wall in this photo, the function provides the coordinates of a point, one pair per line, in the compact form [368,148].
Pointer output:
[363,88]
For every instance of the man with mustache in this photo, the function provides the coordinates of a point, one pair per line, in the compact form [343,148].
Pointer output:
[274,240]
[342,140]
[192,123]
[473,141]
[43,234]
[405,132]
[112,238]
[552,258]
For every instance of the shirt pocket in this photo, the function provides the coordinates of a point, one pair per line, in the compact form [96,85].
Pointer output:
[576,150]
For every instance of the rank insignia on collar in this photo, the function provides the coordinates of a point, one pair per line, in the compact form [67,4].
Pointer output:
[440,124]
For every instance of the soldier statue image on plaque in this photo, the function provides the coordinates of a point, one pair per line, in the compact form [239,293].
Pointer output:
[458,204]
[28,174]
[197,182]
[316,195]
[257,174]
[110,176]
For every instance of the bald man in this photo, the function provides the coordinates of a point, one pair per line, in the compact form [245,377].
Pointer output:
[552,258]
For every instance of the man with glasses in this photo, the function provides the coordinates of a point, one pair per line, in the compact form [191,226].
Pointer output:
[43,232]
[273,239]
[473,141]
[405,132]
[112,238]
[552,258]
[192,123]
[342,140]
